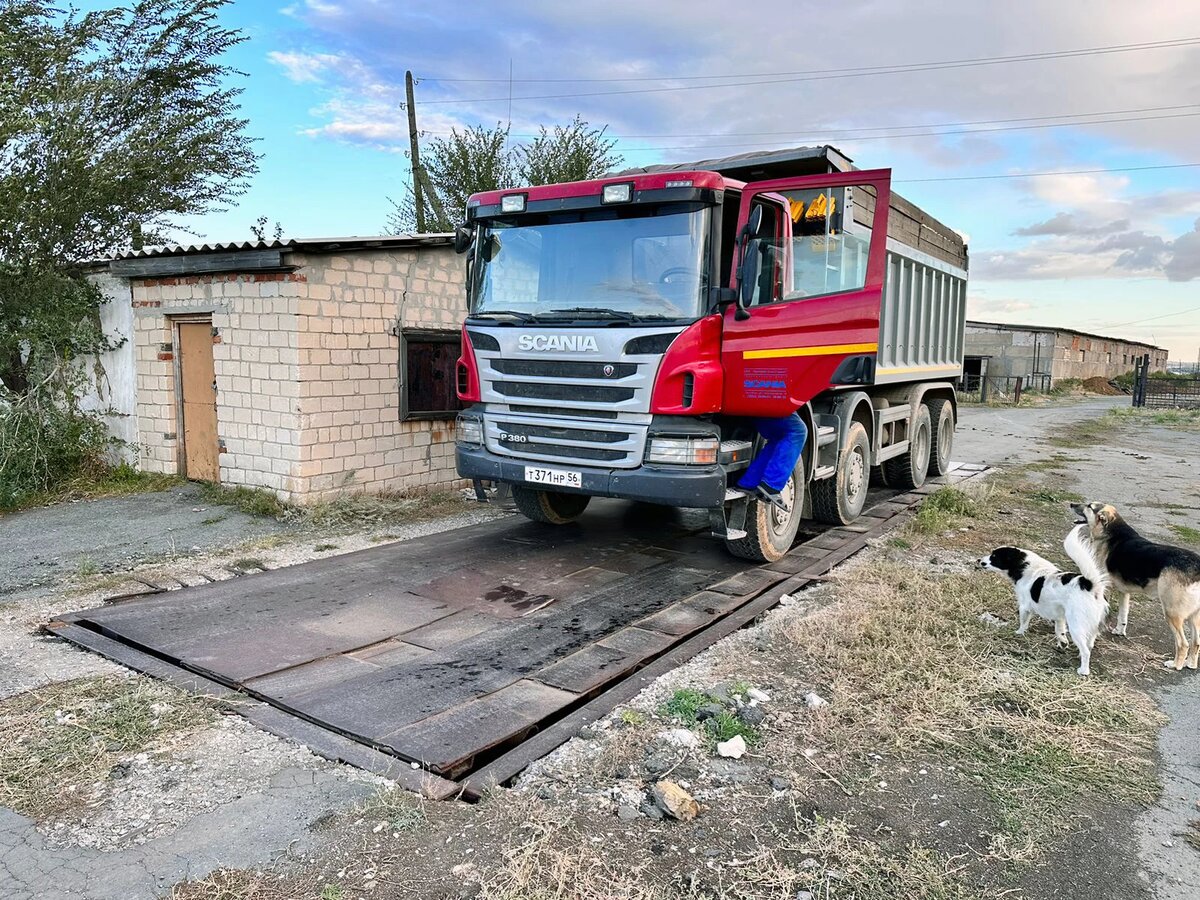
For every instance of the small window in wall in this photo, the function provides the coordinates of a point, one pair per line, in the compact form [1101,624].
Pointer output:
[427,376]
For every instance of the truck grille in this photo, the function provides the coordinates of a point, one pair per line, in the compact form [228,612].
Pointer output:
[613,444]
[563,368]
[587,393]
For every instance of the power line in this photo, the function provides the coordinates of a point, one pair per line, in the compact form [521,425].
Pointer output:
[886,137]
[977,60]
[1181,312]
[822,75]
[848,131]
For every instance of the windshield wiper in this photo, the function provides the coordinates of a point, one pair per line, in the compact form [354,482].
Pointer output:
[601,313]
[516,313]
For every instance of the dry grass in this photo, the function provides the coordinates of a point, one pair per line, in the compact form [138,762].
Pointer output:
[1173,418]
[235,884]
[852,865]
[57,742]
[909,665]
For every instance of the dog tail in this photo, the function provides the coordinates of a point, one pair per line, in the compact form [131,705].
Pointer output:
[1083,554]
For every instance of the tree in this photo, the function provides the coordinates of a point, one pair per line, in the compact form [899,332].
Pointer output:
[482,159]
[477,159]
[574,152]
[259,230]
[114,125]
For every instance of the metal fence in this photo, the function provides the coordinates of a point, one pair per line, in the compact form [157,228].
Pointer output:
[1000,388]
[1158,391]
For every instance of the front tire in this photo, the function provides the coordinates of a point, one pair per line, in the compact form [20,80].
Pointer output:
[941,415]
[908,470]
[770,532]
[840,500]
[549,507]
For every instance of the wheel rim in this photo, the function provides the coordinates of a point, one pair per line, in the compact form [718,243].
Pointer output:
[921,450]
[945,435]
[856,477]
[779,520]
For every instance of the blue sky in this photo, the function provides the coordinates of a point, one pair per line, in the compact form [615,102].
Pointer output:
[1110,252]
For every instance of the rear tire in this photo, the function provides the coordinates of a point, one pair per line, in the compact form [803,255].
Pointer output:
[908,470]
[770,532]
[840,500]
[549,507]
[941,415]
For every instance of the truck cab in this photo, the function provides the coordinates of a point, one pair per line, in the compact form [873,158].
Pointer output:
[622,333]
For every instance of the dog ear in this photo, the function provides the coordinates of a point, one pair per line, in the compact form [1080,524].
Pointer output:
[1105,514]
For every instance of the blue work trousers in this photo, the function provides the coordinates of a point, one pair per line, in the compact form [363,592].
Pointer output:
[773,466]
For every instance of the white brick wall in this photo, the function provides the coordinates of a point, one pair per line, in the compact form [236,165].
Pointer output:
[307,371]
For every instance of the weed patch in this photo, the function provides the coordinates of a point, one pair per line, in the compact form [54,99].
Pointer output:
[1172,418]
[252,501]
[57,741]
[1187,532]
[943,509]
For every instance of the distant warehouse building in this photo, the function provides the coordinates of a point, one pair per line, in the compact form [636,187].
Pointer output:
[1000,350]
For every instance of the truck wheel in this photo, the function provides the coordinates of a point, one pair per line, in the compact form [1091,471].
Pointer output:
[941,415]
[840,499]
[549,507]
[770,532]
[908,470]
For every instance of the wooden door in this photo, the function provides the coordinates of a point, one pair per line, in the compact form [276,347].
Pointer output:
[199,395]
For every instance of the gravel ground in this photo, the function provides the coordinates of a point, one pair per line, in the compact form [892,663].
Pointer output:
[228,795]
[47,546]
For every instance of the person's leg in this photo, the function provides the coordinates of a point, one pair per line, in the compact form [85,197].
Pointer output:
[786,439]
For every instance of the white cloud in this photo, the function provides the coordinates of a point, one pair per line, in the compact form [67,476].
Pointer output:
[304,67]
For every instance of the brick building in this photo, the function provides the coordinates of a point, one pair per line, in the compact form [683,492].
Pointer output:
[307,367]
[1027,350]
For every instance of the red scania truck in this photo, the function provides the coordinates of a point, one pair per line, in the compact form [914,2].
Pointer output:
[622,332]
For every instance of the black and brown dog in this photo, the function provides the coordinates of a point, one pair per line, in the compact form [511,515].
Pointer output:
[1137,564]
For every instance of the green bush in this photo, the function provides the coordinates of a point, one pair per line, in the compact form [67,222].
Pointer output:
[45,442]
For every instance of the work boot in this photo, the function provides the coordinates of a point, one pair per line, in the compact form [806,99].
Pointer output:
[775,498]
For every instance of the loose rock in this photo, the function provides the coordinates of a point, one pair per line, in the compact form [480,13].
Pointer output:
[734,748]
[678,737]
[652,811]
[760,696]
[751,715]
[709,711]
[780,784]
[662,761]
[815,700]
[626,813]
[675,801]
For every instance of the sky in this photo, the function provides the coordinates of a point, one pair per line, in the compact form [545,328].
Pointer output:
[890,84]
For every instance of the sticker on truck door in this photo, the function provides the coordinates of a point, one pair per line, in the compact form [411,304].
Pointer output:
[554,477]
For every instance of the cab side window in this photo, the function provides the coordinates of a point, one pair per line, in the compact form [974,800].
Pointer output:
[831,237]
[767,244]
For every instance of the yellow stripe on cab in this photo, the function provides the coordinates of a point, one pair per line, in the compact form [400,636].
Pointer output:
[822,350]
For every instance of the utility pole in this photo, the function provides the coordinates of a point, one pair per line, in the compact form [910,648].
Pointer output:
[414,151]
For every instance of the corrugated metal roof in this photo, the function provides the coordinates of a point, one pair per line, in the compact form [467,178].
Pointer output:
[315,245]
[1062,329]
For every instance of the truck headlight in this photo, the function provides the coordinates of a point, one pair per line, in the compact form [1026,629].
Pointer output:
[685,451]
[468,430]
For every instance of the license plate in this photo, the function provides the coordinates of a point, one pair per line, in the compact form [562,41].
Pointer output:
[554,477]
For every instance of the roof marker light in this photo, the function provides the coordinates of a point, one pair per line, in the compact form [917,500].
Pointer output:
[617,193]
[681,183]
[512,203]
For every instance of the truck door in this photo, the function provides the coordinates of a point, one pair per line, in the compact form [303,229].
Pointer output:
[814,317]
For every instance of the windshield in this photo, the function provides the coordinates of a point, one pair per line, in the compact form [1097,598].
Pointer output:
[629,264]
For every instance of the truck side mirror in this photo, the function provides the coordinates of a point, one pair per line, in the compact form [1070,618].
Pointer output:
[462,238]
[748,266]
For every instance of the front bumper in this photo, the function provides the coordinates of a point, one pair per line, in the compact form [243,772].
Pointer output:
[701,487]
